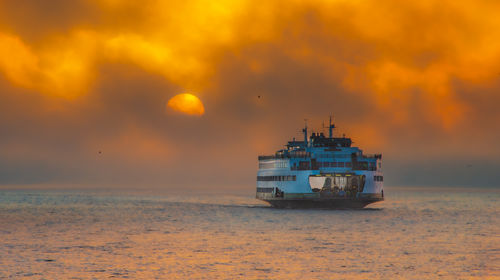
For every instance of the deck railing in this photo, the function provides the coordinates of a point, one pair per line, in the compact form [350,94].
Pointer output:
[378,156]
[301,155]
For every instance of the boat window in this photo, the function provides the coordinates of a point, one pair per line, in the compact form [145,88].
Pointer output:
[277,178]
[378,178]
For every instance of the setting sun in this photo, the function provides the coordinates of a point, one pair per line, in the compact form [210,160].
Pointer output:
[186,103]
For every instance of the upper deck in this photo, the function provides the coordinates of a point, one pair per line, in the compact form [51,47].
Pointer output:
[320,152]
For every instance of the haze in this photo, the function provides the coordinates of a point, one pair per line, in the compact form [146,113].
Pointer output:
[84,87]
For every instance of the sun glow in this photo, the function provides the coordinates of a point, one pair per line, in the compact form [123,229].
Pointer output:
[186,103]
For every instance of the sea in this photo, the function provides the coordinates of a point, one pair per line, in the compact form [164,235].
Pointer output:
[416,233]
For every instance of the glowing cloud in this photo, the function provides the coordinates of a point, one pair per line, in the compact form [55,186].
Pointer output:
[364,44]
[186,103]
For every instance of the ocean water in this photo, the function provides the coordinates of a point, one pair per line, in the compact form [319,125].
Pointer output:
[425,233]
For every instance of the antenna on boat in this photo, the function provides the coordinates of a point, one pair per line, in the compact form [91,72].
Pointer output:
[331,126]
[305,131]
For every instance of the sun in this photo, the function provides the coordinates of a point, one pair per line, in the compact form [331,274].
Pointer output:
[186,103]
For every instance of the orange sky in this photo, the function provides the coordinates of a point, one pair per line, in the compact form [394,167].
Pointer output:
[418,82]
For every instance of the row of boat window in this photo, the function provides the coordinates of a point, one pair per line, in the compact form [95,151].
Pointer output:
[273,164]
[378,178]
[277,178]
[304,165]
[265,190]
[334,164]
[333,155]
[300,154]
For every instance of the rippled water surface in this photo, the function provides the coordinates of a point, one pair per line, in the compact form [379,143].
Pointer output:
[415,234]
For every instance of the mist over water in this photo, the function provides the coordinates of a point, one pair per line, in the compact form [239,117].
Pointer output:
[417,233]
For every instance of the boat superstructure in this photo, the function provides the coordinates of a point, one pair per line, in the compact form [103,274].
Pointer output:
[320,172]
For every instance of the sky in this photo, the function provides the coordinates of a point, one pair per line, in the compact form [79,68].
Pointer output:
[84,88]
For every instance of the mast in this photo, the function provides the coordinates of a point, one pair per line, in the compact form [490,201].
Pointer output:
[305,132]
[331,126]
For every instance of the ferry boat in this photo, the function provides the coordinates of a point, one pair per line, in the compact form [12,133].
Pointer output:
[320,172]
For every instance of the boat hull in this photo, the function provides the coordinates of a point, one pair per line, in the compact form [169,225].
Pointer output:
[324,203]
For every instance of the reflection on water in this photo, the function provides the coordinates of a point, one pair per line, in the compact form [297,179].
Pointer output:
[416,234]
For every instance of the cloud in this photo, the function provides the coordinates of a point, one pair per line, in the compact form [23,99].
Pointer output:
[412,80]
